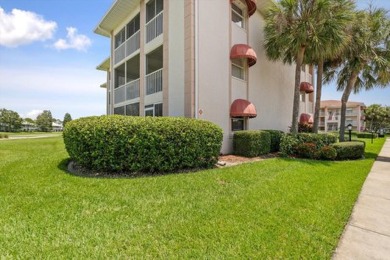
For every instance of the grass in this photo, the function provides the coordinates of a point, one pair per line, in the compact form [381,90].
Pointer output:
[23,134]
[277,208]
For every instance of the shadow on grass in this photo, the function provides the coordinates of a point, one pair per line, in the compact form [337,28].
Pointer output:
[69,167]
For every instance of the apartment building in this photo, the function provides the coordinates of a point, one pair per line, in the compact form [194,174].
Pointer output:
[201,59]
[330,115]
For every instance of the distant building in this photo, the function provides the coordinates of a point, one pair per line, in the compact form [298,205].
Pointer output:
[28,127]
[201,59]
[56,127]
[330,115]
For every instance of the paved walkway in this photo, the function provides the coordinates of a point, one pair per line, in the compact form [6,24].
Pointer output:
[367,235]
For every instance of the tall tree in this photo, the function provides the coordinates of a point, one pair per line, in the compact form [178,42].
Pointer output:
[376,117]
[10,120]
[67,118]
[290,27]
[331,39]
[365,63]
[44,121]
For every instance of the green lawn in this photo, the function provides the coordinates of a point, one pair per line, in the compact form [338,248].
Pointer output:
[277,208]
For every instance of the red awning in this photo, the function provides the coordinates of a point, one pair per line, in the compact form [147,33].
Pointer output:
[242,108]
[306,119]
[251,4]
[240,51]
[306,87]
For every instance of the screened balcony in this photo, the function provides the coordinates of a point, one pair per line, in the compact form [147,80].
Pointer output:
[127,84]
[127,41]
[154,19]
[154,69]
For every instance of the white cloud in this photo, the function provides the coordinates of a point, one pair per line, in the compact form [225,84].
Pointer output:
[23,27]
[73,40]
[34,113]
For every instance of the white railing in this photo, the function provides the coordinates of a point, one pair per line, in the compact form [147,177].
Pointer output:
[119,53]
[132,44]
[120,94]
[154,27]
[128,47]
[126,92]
[132,89]
[154,82]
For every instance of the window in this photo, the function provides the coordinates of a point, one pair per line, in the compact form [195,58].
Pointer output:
[302,96]
[238,124]
[132,109]
[238,16]
[120,76]
[119,110]
[349,111]
[153,8]
[133,27]
[154,110]
[238,69]
[158,110]
[120,38]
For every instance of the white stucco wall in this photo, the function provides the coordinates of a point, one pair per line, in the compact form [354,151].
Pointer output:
[214,64]
[271,84]
[176,58]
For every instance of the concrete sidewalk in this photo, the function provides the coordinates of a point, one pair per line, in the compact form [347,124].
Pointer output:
[367,235]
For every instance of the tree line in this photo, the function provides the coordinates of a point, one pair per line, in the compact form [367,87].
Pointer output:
[10,121]
[346,45]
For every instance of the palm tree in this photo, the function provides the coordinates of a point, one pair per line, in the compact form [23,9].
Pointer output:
[291,27]
[366,62]
[331,40]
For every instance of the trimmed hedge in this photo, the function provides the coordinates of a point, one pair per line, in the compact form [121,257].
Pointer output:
[142,144]
[289,142]
[349,150]
[366,135]
[307,150]
[276,136]
[251,143]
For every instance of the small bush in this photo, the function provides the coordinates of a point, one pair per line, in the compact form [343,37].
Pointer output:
[307,150]
[142,144]
[328,153]
[319,139]
[305,128]
[349,150]
[276,136]
[251,143]
[288,143]
[366,135]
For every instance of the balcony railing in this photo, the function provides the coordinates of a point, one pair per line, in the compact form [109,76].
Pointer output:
[154,82]
[126,92]
[127,48]
[154,27]
[132,89]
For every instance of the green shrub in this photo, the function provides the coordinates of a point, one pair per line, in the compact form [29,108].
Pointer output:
[251,143]
[276,136]
[307,150]
[328,153]
[366,135]
[142,144]
[349,150]
[305,128]
[288,143]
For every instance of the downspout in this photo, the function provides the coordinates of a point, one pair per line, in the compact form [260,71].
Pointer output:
[196,7]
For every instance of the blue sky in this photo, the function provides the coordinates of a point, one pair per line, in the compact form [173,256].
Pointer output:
[49,60]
